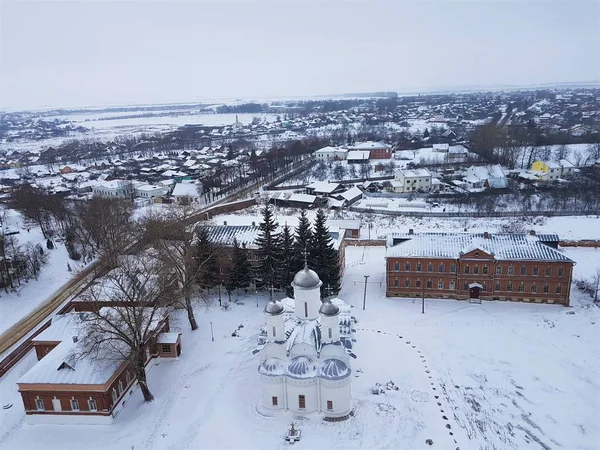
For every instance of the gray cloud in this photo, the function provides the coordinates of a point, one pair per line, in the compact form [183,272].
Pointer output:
[96,52]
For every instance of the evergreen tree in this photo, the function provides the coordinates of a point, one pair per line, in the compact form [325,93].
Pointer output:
[287,260]
[269,252]
[301,242]
[323,258]
[239,274]
[207,274]
[426,133]
[49,244]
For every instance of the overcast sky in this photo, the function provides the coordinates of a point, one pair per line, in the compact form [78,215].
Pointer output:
[84,53]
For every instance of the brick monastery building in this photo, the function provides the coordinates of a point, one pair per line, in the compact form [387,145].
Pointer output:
[513,267]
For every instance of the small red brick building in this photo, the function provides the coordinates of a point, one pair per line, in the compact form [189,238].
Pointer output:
[513,267]
[61,388]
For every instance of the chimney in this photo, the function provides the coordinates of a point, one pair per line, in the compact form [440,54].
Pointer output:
[225,222]
[411,231]
[531,232]
[486,235]
[75,339]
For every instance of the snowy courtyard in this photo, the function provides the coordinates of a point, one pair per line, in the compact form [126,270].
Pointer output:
[494,375]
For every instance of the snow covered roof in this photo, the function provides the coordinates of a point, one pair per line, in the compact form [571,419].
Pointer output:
[414,173]
[334,369]
[351,193]
[504,246]
[60,366]
[62,327]
[272,367]
[302,367]
[370,145]
[167,338]
[323,187]
[224,234]
[185,190]
[329,149]
[303,198]
[362,155]
[346,224]
[305,332]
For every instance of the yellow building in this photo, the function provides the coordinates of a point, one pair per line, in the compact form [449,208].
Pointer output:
[551,171]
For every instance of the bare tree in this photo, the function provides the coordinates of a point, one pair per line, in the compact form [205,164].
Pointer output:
[175,245]
[105,226]
[595,284]
[138,295]
[35,259]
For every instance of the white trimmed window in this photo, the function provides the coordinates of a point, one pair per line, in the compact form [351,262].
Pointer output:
[115,396]
[92,405]
[74,404]
[121,387]
[39,404]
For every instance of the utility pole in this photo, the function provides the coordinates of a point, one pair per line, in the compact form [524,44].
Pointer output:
[423,300]
[212,336]
[219,285]
[365,294]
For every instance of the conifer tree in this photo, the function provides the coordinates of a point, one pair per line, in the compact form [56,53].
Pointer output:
[287,260]
[323,257]
[269,252]
[240,274]
[301,242]
[208,272]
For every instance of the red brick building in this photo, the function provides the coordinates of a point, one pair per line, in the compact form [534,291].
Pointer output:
[513,267]
[61,388]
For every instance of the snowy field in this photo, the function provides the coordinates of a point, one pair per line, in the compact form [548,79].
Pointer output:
[491,376]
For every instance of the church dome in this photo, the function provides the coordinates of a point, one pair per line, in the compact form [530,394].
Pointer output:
[329,309]
[272,367]
[306,279]
[302,367]
[334,369]
[274,308]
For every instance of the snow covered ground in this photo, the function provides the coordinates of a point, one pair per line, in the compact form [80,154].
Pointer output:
[491,376]
[16,304]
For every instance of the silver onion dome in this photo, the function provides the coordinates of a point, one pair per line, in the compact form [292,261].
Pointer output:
[306,279]
[329,309]
[274,308]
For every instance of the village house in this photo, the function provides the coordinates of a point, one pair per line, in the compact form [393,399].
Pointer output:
[331,154]
[358,157]
[411,180]
[186,192]
[377,150]
[486,177]
[150,191]
[64,389]
[513,267]
[113,189]
[552,171]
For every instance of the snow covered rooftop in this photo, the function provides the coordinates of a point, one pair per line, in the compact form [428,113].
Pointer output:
[185,190]
[357,155]
[62,327]
[505,246]
[61,366]
[167,338]
[370,145]
[323,187]
[351,193]
[225,234]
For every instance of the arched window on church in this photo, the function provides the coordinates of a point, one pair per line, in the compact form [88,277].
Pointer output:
[330,333]
[274,332]
[305,309]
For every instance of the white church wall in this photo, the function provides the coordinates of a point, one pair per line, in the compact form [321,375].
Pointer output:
[273,350]
[275,328]
[308,388]
[330,323]
[307,303]
[303,349]
[273,387]
[339,393]
[335,352]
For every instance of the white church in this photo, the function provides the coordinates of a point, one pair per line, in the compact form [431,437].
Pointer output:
[305,362]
